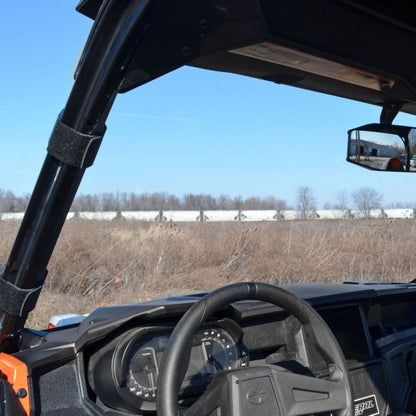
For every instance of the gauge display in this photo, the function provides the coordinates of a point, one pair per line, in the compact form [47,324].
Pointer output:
[142,375]
[213,350]
[218,349]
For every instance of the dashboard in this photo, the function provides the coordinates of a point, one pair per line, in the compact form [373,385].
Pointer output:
[109,364]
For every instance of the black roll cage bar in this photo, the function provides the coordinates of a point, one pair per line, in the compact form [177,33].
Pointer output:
[116,33]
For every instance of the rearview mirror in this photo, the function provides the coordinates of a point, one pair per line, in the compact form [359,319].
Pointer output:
[381,147]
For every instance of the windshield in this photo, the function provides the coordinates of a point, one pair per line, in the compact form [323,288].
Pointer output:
[191,132]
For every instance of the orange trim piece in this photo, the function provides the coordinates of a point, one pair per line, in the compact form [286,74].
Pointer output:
[15,372]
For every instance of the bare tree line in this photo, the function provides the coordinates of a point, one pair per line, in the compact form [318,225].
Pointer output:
[9,202]
[123,201]
[364,199]
[165,201]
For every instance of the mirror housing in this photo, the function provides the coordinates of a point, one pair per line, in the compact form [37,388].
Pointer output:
[383,147]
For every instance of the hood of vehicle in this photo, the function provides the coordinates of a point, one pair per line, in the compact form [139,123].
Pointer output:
[363,50]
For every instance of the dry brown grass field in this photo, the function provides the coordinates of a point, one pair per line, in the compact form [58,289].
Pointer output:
[99,263]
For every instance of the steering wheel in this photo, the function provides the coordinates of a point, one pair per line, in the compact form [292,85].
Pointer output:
[261,390]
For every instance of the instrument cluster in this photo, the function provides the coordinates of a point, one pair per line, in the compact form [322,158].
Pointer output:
[124,373]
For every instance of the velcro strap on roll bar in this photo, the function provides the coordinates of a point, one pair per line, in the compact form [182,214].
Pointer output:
[16,301]
[72,147]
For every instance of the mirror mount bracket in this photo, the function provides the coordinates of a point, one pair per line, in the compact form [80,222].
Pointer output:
[389,112]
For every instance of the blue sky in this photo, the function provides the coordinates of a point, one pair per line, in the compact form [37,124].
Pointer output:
[190,131]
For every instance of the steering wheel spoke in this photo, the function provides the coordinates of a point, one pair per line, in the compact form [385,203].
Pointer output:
[306,395]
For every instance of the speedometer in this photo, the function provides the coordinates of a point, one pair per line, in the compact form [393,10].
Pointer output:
[141,363]
[142,374]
